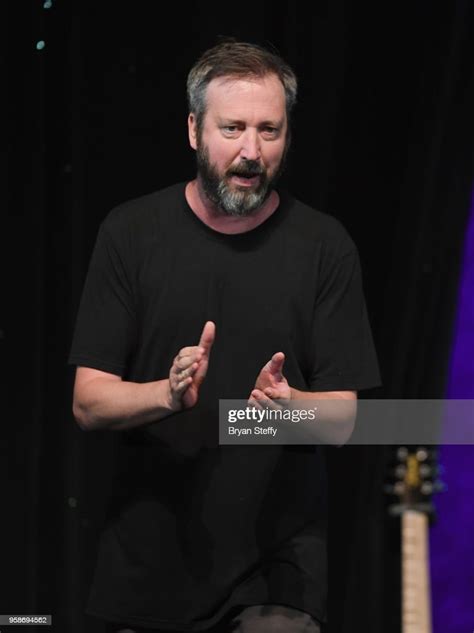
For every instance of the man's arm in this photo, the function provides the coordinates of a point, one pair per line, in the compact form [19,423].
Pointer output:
[336,410]
[322,395]
[105,401]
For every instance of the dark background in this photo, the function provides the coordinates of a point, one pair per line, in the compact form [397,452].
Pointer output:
[383,140]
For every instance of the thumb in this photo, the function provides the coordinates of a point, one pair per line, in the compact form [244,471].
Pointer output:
[275,365]
[207,336]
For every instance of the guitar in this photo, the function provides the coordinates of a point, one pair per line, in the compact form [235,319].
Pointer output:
[415,482]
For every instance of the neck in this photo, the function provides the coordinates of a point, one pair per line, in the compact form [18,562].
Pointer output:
[220,221]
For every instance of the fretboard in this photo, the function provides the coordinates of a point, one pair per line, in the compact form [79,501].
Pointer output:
[416,604]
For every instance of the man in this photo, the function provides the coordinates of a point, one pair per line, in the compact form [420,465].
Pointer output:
[223,287]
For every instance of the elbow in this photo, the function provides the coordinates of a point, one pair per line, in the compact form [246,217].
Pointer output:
[337,420]
[88,418]
[90,399]
[344,431]
[82,416]
[346,422]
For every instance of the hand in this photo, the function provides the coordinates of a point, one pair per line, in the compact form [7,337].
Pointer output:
[189,370]
[271,387]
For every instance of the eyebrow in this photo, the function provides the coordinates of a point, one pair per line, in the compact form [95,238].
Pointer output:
[277,124]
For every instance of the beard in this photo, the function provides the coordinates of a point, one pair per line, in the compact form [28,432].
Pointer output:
[229,199]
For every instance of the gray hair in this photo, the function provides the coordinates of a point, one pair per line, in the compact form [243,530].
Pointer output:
[231,58]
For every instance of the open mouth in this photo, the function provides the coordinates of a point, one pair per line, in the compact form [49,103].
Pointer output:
[245,180]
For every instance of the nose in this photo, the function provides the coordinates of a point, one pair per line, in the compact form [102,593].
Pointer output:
[250,145]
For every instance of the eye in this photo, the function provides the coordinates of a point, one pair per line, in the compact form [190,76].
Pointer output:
[230,128]
[270,131]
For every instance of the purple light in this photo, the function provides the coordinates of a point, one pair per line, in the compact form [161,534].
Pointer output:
[452,536]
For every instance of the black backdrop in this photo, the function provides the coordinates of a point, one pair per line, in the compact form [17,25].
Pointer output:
[383,139]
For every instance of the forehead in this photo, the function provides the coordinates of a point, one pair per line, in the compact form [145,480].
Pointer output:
[237,98]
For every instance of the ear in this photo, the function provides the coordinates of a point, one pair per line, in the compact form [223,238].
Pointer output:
[192,130]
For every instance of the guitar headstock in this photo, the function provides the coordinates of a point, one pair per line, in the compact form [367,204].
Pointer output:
[413,479]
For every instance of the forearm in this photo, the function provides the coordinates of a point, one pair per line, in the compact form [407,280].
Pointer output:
[119,405]
[335,415]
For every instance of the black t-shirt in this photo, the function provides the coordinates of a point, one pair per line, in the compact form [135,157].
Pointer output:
[195,528]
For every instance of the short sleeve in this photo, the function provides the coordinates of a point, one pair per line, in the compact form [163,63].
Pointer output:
[105,331]
[342,348]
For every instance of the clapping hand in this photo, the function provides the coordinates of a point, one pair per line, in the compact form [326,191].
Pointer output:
[189,370]
[271,387]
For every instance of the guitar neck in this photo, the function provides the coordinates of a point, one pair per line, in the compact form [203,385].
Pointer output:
[416,605]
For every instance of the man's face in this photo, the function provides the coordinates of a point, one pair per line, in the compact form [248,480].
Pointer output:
[242,145]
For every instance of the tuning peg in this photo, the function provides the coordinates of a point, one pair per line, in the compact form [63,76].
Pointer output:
[426,488]
[399,488]
[426,470]
[400,471]
[422,454]
[402,452]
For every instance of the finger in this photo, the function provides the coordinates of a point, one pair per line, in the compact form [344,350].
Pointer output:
[254,403]
[181,381]
[207,336]
[182,386]
[186,361]
[273,394]
[188,371]
[277,397]
[187,351]
[201,371]
[264,400]
[275,365]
